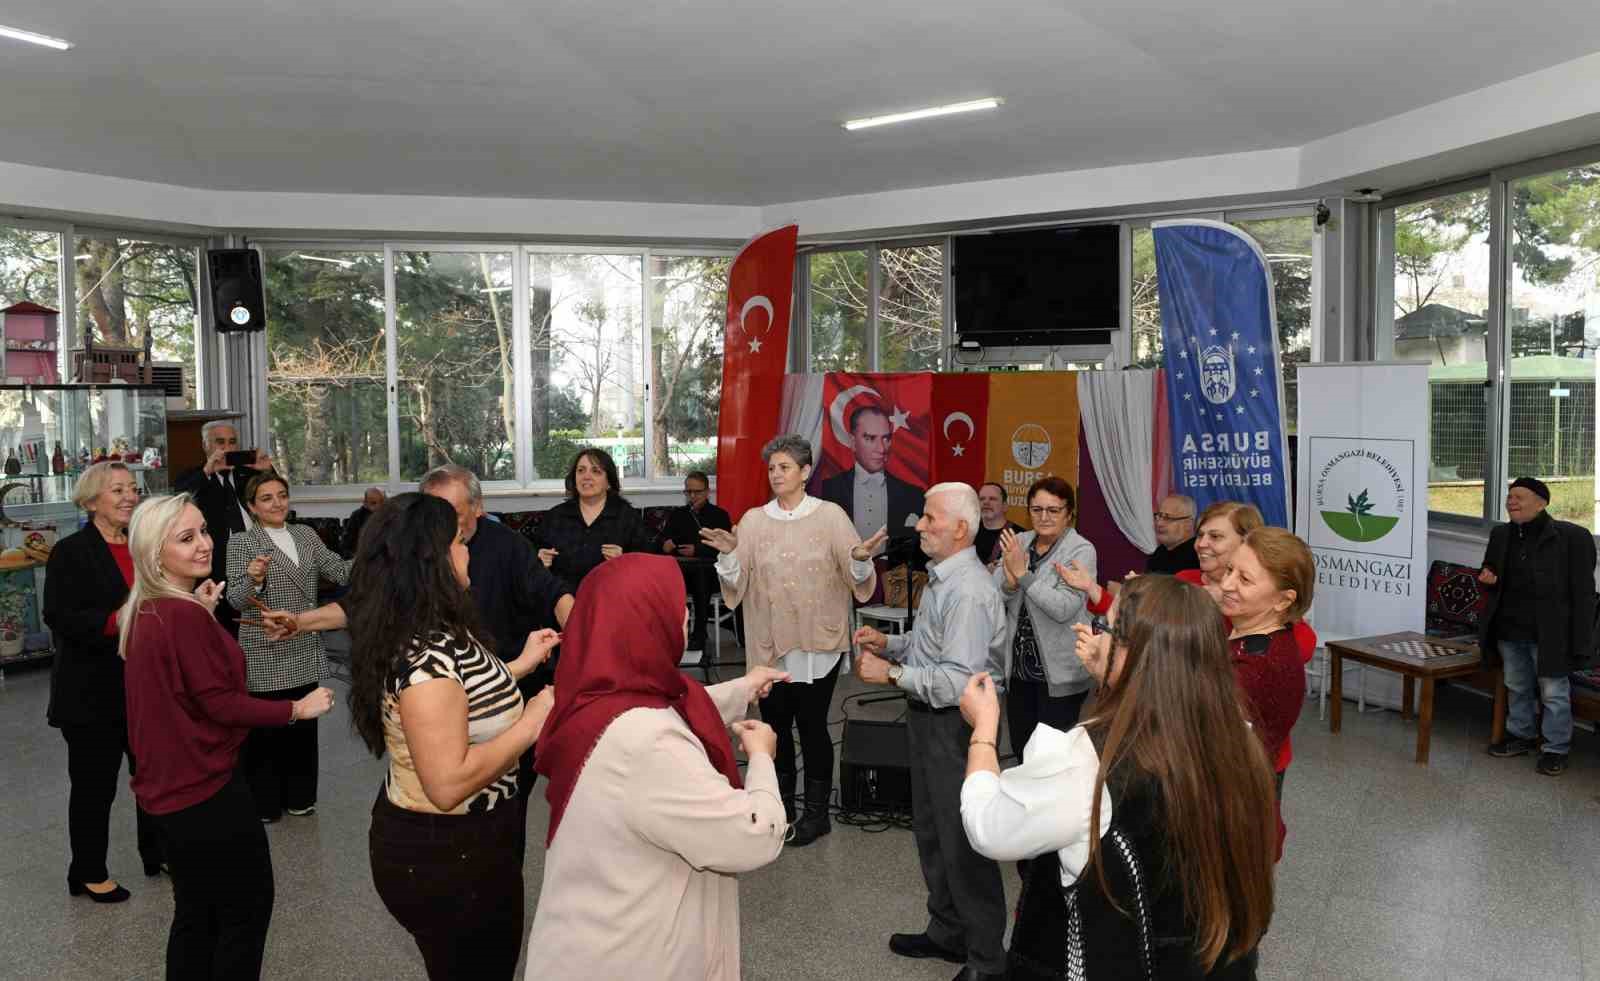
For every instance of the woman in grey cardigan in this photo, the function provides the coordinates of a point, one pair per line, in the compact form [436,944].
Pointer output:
[1045,681]
[280,564]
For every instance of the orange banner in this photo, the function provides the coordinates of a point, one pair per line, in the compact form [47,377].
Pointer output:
[1032,433]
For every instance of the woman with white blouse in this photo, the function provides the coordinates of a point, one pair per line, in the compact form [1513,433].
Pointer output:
[1150,826]
[794,566]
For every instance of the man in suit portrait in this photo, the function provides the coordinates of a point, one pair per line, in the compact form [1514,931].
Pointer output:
[218,491]
[872,496]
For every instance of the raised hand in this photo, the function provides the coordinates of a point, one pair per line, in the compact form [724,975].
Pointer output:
[208,593]
[216,462]
[1487,577]
[536,650]
[755,737]
[760,681]
[609,552]
[1012,558]
[872,669]
[278,624]
[872,546]
[548,556]
[871,640]
[1077,577]
[667,548]
[257,569]
[318,703]
[723,541]
[980,703]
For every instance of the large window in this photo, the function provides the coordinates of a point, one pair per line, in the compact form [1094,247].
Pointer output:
[456,371]
[688,304]
[1144,302]
[1434,307]
[836,303]
[30,267]
[586,320]
[911,308]
[906,323]
[326,372]
[131,289]
[1552,326]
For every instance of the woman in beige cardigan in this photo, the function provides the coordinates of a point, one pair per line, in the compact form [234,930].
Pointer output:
[793,565]
[650,820]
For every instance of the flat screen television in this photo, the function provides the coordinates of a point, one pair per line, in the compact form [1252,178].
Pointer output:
[1051,286]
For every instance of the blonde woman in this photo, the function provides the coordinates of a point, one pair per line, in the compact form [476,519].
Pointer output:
[188,713]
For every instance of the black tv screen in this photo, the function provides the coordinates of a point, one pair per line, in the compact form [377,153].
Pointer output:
[1051,286]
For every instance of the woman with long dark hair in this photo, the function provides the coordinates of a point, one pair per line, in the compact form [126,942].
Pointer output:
[446,834]
[594,524]
[1150,826]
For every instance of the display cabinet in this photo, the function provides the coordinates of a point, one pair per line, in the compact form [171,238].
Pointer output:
[49,434]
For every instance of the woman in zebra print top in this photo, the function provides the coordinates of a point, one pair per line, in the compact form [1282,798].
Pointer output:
[446,835]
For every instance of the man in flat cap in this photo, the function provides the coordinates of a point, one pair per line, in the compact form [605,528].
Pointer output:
[1539,576]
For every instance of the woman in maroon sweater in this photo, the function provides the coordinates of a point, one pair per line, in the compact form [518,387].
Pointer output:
[1265,593]
[188,714]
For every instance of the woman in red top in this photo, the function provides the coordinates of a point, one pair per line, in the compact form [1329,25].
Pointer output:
[86,581]
[1222,528]
[188,714]
[1265,593]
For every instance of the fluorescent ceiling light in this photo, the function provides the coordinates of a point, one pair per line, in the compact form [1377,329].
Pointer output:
[43,40]
[496,289]
[341,263]
[906,117]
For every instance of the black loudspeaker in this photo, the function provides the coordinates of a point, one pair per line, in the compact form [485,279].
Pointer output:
[237,300]
[875,767]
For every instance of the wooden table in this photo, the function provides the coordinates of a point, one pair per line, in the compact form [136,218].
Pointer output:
[1380,652]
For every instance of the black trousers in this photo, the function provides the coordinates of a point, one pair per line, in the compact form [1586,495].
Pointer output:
[697,580]
[966,896]
[94,763]
[454,882]
[281,761]
[222,887]
[794,705]
[1028,703]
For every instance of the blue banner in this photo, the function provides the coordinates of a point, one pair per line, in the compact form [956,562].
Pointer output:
[1224,385]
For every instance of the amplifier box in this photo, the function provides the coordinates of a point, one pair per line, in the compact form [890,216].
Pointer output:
[875,767]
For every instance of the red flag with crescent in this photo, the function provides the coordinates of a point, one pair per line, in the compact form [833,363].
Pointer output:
[960,427]
[755,352]
[903,403]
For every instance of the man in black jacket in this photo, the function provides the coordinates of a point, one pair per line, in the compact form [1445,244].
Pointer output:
[681,538]
[869,494]
[1539,576]
[218,491]
[1174,537]
[371,501]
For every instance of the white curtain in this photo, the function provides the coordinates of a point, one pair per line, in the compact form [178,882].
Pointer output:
[1119,417]
[802,409]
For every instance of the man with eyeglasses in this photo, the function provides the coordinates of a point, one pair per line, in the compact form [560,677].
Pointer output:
[681,538]
[1175,536]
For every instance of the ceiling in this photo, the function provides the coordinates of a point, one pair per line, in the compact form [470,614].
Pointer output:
[727,103]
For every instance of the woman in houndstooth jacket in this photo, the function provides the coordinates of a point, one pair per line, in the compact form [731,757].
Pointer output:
[280,564]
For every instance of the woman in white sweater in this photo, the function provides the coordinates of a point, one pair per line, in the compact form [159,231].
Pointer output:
[793,567]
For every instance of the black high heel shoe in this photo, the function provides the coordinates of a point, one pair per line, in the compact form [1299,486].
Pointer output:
[117,895]
[153,869]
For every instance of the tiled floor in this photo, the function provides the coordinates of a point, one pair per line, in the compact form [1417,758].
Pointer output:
[1469,868]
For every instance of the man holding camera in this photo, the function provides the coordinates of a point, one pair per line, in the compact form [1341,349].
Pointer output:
[218,490]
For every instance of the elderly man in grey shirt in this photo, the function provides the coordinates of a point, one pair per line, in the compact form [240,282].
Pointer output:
[960,630]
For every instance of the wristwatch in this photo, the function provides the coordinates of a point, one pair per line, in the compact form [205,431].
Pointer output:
[895,671]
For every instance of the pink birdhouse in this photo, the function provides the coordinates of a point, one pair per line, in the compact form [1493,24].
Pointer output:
[31,336]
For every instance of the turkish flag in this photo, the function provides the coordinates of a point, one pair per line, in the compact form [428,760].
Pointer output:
[903,398]
[960,428]
[755,352]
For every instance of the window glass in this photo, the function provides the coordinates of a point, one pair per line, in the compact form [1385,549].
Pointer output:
[326,366]
[128,289]
[456,374]
[1287,244]
[1144,346]
[689,299]
[30,272]
[1438,311]
[911,308]
[585,315]
[1552,323]
[838,310]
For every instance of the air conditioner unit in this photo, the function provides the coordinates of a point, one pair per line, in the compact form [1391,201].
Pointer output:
[168,375]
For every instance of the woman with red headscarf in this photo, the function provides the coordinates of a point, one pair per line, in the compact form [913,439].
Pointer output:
[649,819]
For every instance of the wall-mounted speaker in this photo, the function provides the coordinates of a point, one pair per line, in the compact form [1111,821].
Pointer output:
[237,300]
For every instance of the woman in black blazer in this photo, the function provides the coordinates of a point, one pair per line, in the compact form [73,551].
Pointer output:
[86,580]
[593,524]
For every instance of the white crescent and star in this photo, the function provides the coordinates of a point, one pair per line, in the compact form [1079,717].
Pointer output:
[957,449]
[757,302]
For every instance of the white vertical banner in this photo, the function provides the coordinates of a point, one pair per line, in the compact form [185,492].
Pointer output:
[1361,494]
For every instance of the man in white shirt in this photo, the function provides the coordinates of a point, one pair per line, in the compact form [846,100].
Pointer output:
[873,497]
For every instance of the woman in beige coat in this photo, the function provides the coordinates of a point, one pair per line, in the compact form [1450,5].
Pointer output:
[793,567]
[650,821]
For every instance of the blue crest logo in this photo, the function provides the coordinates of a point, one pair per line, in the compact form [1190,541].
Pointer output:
[1217,375]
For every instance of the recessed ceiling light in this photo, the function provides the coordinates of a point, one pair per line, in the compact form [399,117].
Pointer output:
[906,117]
[40,39]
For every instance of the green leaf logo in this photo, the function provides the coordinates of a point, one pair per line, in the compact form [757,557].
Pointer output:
[1357,522]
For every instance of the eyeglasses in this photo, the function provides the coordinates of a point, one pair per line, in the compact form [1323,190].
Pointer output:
[1163,516]
[1039,512]
[1100,625]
